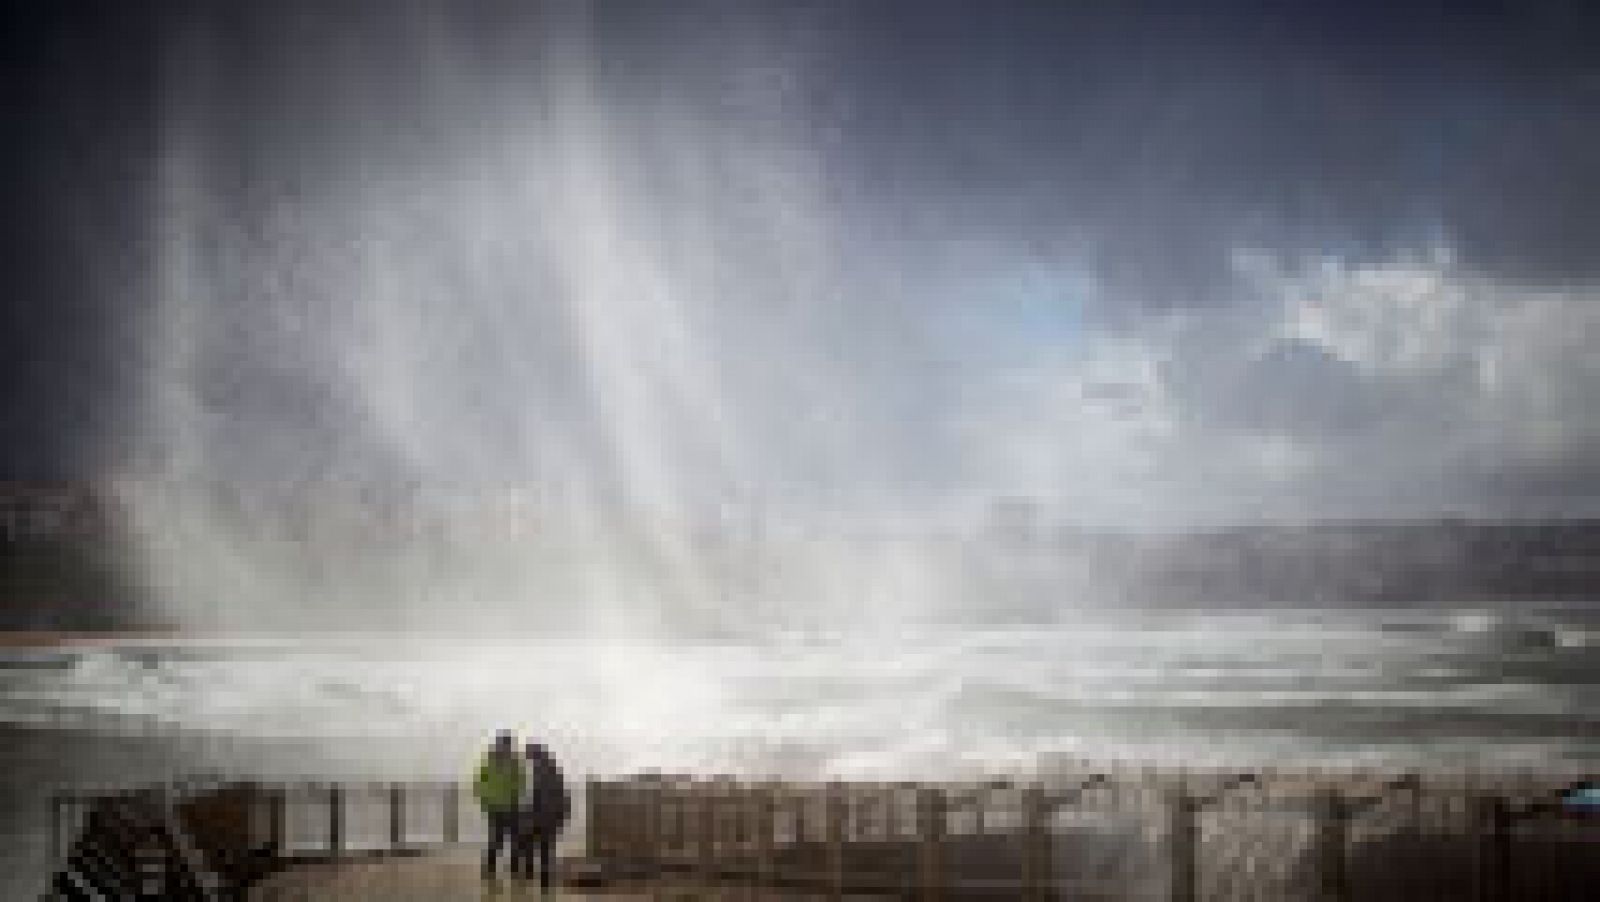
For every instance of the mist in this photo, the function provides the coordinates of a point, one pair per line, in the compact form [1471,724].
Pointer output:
[531,366]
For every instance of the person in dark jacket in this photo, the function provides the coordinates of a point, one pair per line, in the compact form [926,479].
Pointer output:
[541,815]
[498,786]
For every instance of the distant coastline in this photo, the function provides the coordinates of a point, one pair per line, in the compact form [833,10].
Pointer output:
[67,569]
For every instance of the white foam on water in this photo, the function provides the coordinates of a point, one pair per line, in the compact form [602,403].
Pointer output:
[1002,695]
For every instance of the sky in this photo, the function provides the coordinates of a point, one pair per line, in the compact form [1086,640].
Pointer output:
[1151,264]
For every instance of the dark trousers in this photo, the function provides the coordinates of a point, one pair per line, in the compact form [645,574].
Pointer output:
[502,832]
[523,849]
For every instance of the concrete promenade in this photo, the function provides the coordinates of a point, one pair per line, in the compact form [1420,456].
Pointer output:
[453,875]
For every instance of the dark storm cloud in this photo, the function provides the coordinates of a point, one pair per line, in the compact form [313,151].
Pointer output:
[1153,140]
[75,153]
[1121,154]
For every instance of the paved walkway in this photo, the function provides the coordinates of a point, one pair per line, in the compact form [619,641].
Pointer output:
[454,875]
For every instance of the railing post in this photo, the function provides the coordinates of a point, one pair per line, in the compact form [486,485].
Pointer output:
[738,806]
[707,844]
[1183,842]
[452,813]
[781,810]
[1413,781]
[277,820]
[653,802]
[1491,825]
[594,819]
[1333,829]
[837,815]
[639,825]
[764,815]
[335,820]
[397,815]
[930,834]
[625,821]
[55,830]
[641,804]
[1035,842]
[669,824]
[609,819]
[684,817]
[891,819]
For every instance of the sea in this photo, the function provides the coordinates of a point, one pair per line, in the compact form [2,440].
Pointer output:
[1513,687]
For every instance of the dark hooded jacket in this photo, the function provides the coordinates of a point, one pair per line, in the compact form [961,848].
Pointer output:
[547,805]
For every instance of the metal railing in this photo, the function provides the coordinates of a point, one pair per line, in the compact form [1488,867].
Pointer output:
[1178,837]
[1108,834]
[217,834]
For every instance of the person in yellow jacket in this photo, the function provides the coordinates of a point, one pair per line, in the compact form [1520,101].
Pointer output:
[498,786]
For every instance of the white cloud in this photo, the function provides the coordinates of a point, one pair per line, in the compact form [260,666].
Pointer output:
[1340,388]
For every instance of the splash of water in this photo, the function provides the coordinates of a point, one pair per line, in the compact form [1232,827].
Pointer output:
[550,372]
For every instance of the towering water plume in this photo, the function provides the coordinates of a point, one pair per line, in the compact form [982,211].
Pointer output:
[488,334]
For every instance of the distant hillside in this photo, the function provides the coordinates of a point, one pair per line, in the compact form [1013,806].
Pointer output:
[64,583]
[1370,562]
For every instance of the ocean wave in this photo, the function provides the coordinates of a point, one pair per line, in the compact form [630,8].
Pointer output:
[1197,684]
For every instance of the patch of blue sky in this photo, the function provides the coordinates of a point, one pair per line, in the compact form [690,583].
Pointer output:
[1030,312]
